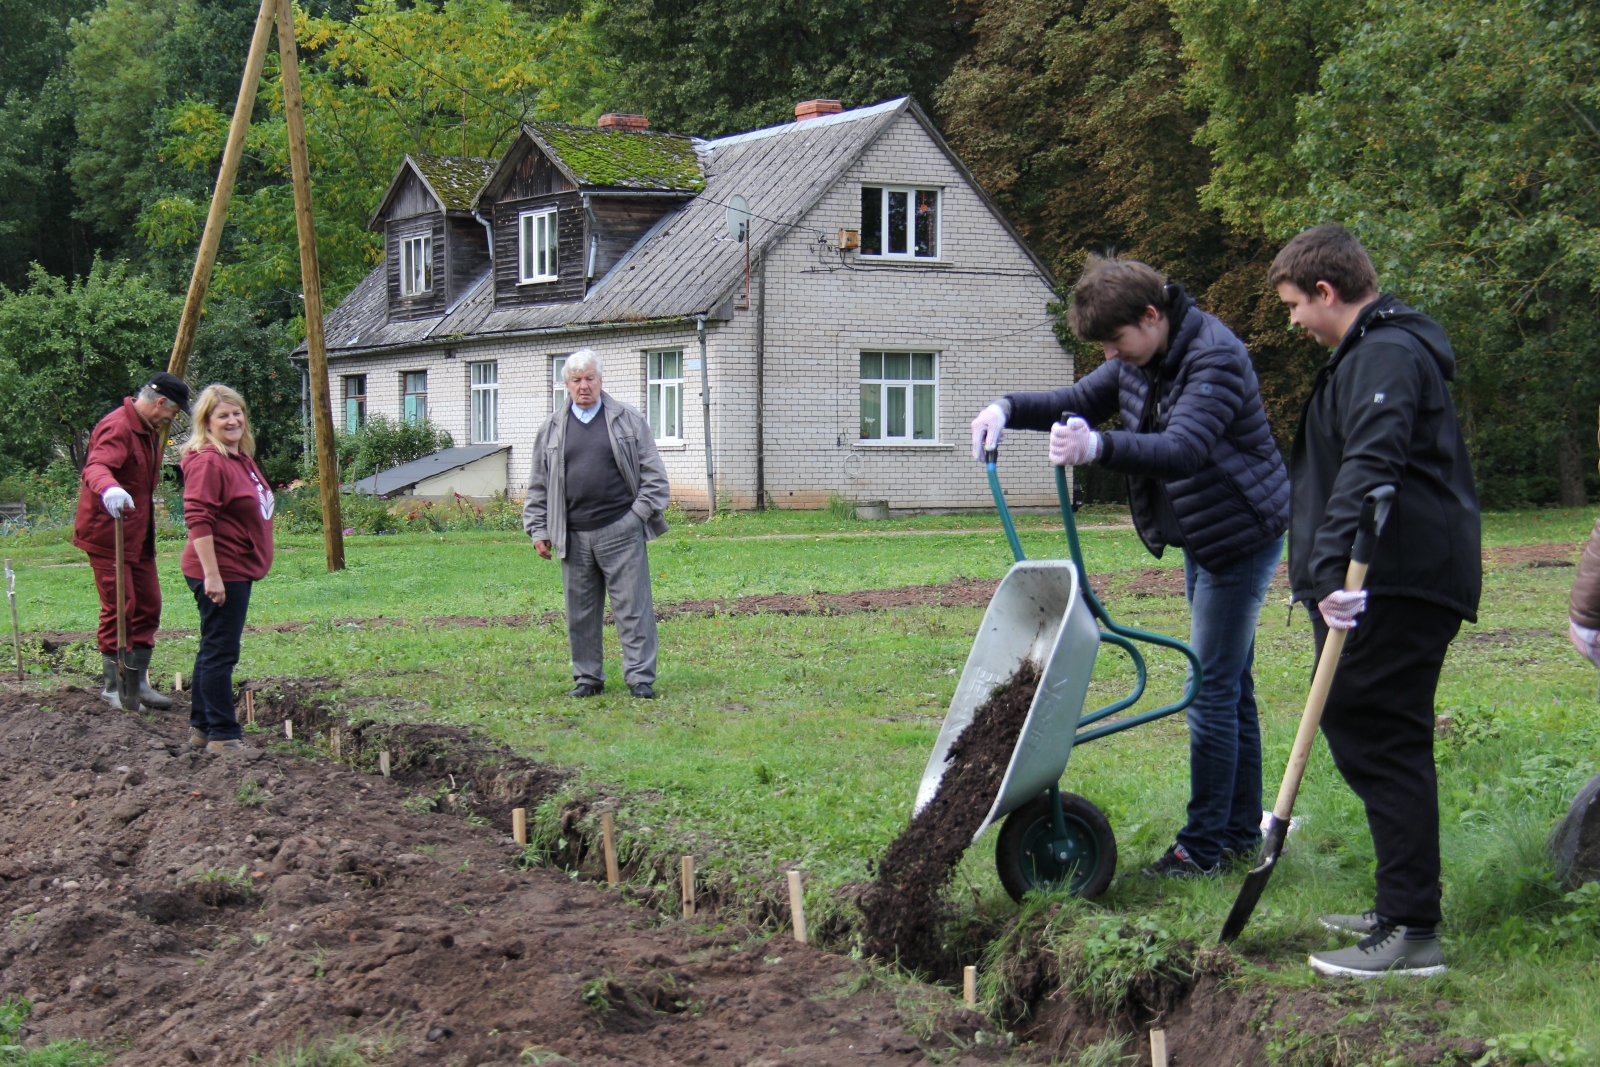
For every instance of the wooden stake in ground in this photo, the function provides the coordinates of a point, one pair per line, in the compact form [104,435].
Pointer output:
[969,986]
[383,762]
[249,706]
[288,729]
[177,681]
[797,906]
[1158,1048]
[608,837]
[688,887]
[311,282]
[16,631]
[519,825]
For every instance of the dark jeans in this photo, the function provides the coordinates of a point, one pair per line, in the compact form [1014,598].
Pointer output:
[1224,732]
[1379,725]
[220,629]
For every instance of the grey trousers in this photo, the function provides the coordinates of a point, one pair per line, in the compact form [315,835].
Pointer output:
[613,558]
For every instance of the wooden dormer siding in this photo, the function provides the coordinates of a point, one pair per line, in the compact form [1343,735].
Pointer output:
[534,183]
[432,196]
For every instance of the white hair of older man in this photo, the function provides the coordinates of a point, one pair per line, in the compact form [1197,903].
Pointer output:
[582,360]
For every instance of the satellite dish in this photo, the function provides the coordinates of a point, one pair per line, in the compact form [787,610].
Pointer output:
[738,218]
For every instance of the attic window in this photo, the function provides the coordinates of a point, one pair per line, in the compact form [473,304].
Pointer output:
[899,223]
[536,241]
[416,266]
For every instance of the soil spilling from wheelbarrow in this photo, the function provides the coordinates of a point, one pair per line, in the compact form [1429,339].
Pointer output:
[904,907]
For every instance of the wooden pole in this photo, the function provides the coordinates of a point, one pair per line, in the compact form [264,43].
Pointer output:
[519,825]
[217,216]
[688,887]
[288,729]
[969,986]
[797,906]
[311,282]
[608,836]
[177,681]
[334,745]
[249,706]
[1158,1048]
[383,762]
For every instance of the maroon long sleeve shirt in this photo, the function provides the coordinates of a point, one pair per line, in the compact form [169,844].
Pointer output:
[226,498]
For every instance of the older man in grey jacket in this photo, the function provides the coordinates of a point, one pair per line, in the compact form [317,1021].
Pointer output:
[596,495]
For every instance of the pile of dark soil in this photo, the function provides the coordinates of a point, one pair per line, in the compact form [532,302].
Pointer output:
[904,907]
[182,908]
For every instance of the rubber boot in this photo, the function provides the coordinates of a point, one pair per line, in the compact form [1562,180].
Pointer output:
[138,661]
[109,695]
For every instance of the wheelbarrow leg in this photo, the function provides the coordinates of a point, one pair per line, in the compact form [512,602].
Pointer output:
[1062,842]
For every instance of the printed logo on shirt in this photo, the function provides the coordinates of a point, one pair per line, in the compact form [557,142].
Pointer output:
[264,498]
[1377,398]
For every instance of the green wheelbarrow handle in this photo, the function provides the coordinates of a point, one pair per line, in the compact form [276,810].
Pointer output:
[1114,633]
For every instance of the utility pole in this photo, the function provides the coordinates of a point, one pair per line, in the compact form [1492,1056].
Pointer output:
[311,282]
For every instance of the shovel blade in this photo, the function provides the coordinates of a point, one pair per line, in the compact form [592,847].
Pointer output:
[127,687]
[1256,880]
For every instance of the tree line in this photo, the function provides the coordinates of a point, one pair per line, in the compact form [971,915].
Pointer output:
[1458,138]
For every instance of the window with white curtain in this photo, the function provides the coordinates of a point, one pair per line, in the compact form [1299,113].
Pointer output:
[536,240]
[485,403]
[664,393]
[558,383]
[900,223]
[416,265]
[899,396]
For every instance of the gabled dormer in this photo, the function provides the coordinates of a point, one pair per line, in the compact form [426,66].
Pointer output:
[434,249]
[567,202]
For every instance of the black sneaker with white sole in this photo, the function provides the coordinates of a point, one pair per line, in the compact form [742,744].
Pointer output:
[1385,951]
[1177,863]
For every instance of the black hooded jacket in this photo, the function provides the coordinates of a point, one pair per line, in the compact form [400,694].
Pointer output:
[1203,469]
[1380,413]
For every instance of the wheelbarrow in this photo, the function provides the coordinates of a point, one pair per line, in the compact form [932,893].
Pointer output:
[1045,611]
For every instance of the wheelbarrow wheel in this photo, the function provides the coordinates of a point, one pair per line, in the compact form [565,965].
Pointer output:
[1028,855]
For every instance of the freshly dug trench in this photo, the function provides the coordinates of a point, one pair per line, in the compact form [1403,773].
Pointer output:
[903,907]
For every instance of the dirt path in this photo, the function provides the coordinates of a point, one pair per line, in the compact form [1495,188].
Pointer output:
[341,909]
[958,593]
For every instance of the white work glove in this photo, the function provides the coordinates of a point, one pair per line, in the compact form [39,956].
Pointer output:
[116,501]
[1073,443]
[1340,608]
[1586,641]
[988,429]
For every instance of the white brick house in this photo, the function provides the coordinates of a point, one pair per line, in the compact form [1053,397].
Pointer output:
[889,300]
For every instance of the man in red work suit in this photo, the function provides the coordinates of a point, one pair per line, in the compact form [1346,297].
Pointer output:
[119,478]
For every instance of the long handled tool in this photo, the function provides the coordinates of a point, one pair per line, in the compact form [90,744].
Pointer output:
[16,631]
[1374,511]
[127,694]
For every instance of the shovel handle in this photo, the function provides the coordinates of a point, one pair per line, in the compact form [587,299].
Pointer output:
[122,607]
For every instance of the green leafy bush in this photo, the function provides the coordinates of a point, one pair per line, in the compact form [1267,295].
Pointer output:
[379,444]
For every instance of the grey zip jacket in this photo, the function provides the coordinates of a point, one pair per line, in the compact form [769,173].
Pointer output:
[544,514]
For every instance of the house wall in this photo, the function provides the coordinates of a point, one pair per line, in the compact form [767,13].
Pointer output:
[479,479]
[426,305]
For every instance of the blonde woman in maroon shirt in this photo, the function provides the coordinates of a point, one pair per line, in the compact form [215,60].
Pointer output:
[227,505]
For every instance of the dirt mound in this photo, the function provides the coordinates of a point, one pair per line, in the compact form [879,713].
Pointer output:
[902,908]
[184,908]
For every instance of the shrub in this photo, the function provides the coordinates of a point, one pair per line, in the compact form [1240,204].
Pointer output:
[379,444]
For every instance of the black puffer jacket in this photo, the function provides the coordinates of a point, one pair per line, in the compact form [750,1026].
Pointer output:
[1381,414]
[1207,441]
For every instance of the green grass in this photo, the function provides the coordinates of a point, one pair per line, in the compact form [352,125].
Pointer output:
[794,739]
[14,1012]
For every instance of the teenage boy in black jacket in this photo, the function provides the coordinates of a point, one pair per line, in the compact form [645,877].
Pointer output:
[1380,413]
[1204,476]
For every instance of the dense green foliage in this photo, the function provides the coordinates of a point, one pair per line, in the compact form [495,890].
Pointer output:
[1459,138]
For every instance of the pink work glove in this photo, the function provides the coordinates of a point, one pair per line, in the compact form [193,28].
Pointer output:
[988,429]
[1340,608]
[1586,641]
[1073,443]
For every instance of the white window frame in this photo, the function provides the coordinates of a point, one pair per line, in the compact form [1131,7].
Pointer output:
[485,379]
[536,265]
[664,394]
[909,387]
[910,192]
[558,383]
[416,265]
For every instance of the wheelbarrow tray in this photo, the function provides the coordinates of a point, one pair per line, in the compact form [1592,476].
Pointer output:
[1037,613]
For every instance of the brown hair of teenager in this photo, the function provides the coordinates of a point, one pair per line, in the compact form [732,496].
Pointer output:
[1327,253]
[1112,293]
[201,435]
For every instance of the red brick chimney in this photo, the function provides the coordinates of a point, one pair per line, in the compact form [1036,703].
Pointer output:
[815,109]
[616,121]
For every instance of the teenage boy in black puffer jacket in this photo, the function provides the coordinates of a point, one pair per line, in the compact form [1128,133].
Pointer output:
[1204,476]
[1380,413]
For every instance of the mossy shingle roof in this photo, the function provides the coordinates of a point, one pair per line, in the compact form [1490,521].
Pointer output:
[624,159]
[456,179]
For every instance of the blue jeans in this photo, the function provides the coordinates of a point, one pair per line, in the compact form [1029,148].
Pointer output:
[1224,732]
[212,681]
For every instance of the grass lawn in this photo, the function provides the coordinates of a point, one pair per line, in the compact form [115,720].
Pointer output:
[784,739]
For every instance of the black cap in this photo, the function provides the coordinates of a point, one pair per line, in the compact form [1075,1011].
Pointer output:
[172,387]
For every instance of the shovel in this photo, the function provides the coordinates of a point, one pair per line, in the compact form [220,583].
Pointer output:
[127,689]
[1374,511]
